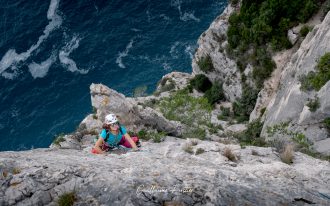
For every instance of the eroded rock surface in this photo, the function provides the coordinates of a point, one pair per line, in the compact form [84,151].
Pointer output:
[155,176]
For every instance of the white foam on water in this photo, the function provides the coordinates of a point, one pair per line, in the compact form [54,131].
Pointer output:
[186,16]
[123,54]
[64,58]
[189,16]
[11,58]
[166,66]
[173,51]
[190,51]
[41,70]
[164,17]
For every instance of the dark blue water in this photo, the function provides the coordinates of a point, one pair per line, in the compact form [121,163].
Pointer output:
[51,51]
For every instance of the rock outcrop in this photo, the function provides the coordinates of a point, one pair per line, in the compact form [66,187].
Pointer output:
[132,115]
[290,102]
[213,43]
[163,174]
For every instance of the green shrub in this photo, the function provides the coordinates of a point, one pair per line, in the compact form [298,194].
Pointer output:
[201,83]
[196,132]
[67,199]
[234,2]
[184,108]
[325,8]
[140,91]
[313,104]
[263,67]
[94,110]
[262,111]
[306,82]
[323,72]
[199,151]
[245,105]
[304,30]
[158,136]
[261,24]
[326,122]
[58,139]
[251,136]
[301,140]
[213,129]
[155,136]
[225,111]
[316,80]
[205,64]
[215,94]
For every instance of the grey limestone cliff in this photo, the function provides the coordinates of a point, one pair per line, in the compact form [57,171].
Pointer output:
[290,102]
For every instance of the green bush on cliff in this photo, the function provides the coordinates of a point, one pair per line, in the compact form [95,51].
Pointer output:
[205,64]
[251,136]
[316,80]
[147,135]
[245,105]
[200,82]
[313,104]
[184,108]
[194,112]
[326,123]
[323,72]
[262,25]
[67,199]
[58,139]
[304,30]
[215,93]
[140,91]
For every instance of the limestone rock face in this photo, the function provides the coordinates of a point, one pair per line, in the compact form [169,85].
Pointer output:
[133,116]
[213,43]
[290,102]
[173,81]
[163,173]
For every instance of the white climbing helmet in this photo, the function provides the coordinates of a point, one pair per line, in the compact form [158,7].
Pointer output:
[110,119]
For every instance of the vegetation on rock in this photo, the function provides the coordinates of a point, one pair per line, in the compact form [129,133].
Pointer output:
[67,199]
[316,80]
[205,64]
[261,26]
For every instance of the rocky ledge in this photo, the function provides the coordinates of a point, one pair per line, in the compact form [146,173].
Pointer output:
[173,172]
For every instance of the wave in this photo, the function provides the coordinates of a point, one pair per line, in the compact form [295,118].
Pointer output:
[123,54]
[41,70]
[186,16]
[173,50]
[166,66]
[190,51]
[64,53]
[11,58]
[178,48]
[189,16]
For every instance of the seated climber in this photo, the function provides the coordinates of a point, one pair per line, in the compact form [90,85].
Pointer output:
[113,135]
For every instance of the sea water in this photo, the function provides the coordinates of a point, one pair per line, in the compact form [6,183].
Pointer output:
[51,51]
